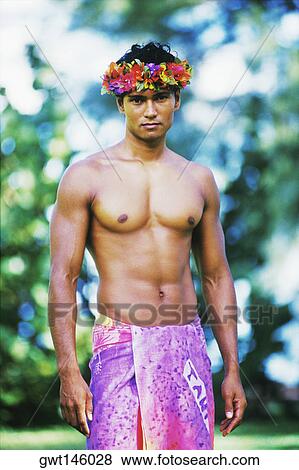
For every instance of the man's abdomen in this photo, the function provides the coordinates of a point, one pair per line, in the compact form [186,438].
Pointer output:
[145,304]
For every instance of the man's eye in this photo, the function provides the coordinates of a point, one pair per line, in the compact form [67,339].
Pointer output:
[136,100]
[162,97]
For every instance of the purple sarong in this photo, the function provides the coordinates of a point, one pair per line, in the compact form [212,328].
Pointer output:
[152,388]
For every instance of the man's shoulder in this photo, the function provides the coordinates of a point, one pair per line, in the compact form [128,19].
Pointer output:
[202,176]
[86,166]
[207,183]
[196,169]
[75,172]
[77,179]
[202,171]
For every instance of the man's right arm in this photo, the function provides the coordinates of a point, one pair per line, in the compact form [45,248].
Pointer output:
[68,233]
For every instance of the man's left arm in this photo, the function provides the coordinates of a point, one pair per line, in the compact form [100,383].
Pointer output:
[208,248]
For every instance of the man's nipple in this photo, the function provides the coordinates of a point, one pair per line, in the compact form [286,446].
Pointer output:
[122,218]
[191,220]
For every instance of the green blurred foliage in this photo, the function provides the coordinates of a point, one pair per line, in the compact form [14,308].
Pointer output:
[264,198]
[28,362]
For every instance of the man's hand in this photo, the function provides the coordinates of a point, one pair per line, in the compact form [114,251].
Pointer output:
[235,403]
[76,401]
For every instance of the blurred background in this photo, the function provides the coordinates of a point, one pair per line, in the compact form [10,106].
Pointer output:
[239,117]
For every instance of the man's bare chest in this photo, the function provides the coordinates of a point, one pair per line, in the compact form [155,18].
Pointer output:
[151,197]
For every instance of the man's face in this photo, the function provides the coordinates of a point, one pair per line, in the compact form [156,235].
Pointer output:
[149,114]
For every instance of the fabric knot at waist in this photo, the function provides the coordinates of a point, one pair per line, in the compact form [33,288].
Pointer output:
[110,333]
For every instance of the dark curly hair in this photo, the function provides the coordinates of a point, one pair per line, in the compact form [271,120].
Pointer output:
[152,52]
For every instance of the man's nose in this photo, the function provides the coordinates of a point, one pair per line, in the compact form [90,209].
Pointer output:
[150,109]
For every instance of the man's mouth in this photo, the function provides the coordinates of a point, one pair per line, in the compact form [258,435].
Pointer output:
[151,125]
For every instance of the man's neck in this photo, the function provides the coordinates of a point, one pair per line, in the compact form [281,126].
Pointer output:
[147,151]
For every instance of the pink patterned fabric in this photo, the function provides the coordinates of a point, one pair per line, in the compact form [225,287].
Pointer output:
[152,388]
[104,337]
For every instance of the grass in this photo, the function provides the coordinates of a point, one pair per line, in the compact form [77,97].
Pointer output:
[248,436]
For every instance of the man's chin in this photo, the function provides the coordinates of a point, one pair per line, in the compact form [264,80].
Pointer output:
[152,138]
[149,137]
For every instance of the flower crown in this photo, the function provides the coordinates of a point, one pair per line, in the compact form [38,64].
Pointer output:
[139,76]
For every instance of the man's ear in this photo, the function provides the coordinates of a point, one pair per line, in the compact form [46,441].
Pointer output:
[177,97]
[120,104]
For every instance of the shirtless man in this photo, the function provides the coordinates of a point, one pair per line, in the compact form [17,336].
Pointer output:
[139,210]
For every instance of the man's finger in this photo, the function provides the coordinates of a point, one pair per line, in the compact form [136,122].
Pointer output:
[235,422]
[225,425]
[89,407]
[71,415]
[229,410]
[63,414]
[224,430]
[81,420]
[224,421]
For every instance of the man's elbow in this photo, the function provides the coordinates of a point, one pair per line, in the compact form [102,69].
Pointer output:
[213,278]
[62,277]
